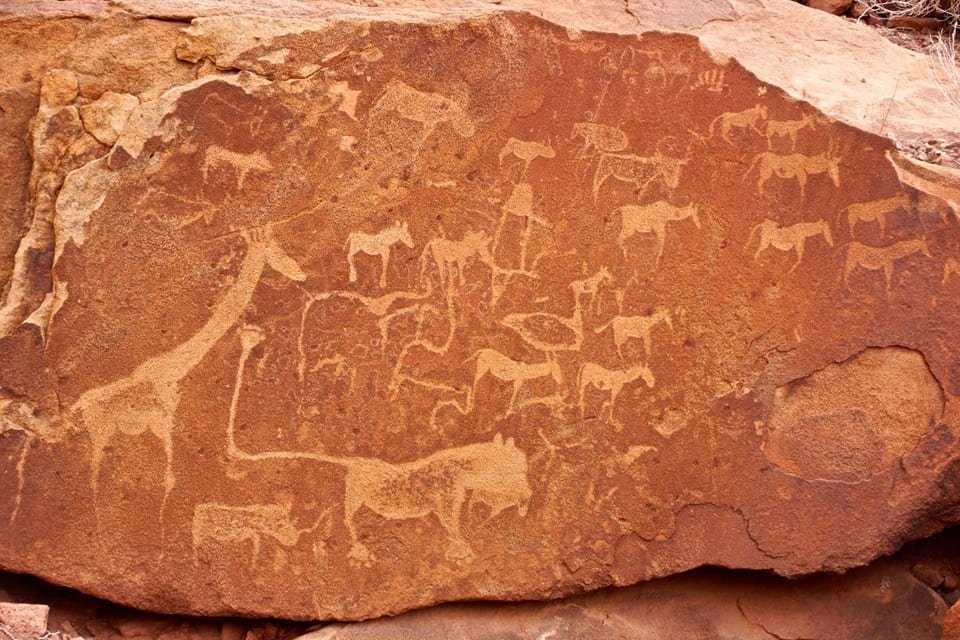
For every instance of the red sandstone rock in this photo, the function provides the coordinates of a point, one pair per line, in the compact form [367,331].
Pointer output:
[836,7]
[23,621]
[345,317]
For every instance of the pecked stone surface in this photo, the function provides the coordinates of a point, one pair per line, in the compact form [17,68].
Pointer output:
[335,318]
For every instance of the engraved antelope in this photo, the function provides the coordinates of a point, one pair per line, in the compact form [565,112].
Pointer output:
[509,370]
[746,119]
[377,244]
[525,151]
[639,170]
[789,238]
[610,380]
[876,258]
[627,327]
[875,211]
[652,218]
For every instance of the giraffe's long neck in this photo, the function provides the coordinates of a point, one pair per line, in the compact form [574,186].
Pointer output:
[175,364]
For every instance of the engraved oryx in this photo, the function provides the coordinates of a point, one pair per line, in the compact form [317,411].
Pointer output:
[525,151]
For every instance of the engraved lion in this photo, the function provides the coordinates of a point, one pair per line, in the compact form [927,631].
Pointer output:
[492,473]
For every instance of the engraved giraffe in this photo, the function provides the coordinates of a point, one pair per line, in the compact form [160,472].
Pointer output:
[540,329]
[377,244]
[876,258]
[652,218]
[147,399]
[789,238]
[627,327]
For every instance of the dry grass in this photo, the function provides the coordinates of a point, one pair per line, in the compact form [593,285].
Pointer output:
[946,10]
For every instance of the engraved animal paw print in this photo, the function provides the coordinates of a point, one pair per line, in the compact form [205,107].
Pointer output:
[711,80]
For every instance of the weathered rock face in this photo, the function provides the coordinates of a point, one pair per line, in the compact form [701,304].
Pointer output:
[385,311]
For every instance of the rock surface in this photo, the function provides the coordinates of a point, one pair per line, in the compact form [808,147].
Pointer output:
[893,598]
[320,315]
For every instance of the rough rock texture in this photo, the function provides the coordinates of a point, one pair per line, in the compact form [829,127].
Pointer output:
[21,621]
[341,312]
[904,596]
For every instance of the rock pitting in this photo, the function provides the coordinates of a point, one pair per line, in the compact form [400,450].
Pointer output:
[351,315]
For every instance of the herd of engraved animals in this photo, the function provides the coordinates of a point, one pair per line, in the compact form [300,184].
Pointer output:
[493,473]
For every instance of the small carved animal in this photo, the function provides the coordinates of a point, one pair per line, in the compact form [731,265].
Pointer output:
[640,170]
[779,128]
[652,218]
[377,244]
[626,327]
[789,238]
[875,258]
[794,165]
[612,380]
[746,119]
[875,210]
[429,109]
[451,256]
[242,163]
[526,151]
[598,138]
[509,370]
[227,524]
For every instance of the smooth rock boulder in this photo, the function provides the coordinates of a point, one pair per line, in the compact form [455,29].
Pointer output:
[356,313]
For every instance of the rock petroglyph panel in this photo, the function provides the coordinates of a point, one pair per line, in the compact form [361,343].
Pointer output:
[491,320]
